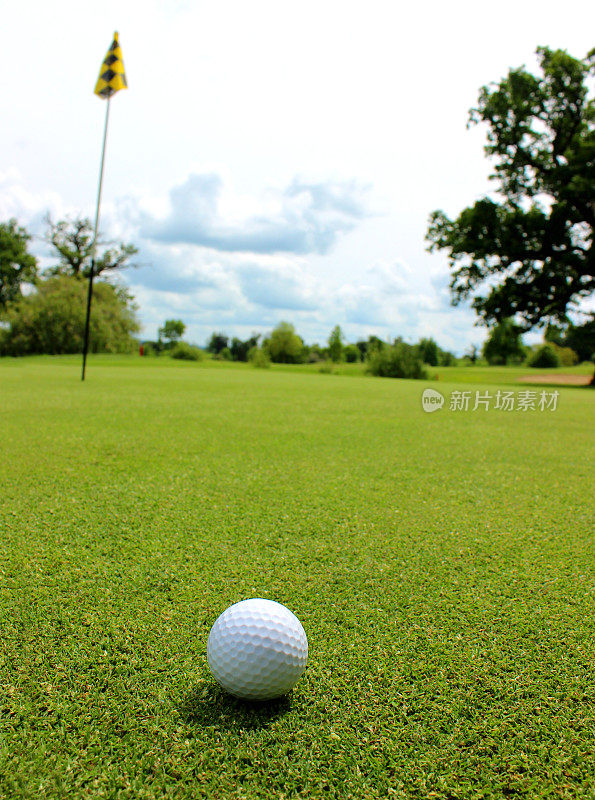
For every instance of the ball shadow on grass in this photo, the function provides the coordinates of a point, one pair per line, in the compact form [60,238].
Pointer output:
[214,707]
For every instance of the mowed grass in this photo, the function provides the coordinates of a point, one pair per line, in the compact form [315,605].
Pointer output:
[441,564]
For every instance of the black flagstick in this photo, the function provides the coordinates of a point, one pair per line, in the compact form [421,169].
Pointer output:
[90,292]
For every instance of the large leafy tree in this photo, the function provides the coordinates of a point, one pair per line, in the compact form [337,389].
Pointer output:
[527,252]
[72,242]
[17,265]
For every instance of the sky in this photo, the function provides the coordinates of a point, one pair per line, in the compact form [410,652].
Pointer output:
[271,161]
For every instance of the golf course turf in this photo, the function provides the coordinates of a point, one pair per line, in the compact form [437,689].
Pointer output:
[441,565]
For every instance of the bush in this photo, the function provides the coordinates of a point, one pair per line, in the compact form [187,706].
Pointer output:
[544,357]
[399,360]
[567,356]
[259,358]
[186,352]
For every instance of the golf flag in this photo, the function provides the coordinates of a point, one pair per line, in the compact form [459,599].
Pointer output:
[111,79]
[111,76]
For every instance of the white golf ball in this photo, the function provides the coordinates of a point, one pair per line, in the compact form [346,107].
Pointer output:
[257,649]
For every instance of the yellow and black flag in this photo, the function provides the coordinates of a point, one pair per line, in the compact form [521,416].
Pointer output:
[111,77]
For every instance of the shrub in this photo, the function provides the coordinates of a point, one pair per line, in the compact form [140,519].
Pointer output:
[186,352]
[259,358]
[567,356]
[544,357]
[399,360]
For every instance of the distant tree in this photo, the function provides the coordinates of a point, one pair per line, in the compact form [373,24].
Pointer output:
[529,253]
[51,319]
[239,349]
[216,343]
[446,358]
[362,346]
[284,345]
[472,354]
[368,346]
[352,353]
[374,343]
[580,338]
[172,331]
[17,265]
[545,357]
[335,344]
[72,242]
[429,352]
[504,344]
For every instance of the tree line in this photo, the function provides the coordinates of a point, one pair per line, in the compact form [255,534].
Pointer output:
[504,346]
[285,346]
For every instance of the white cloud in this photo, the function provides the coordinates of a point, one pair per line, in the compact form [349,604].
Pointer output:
[306,217]
[27,205]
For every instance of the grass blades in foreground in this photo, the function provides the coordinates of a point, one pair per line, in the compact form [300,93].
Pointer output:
[442,566]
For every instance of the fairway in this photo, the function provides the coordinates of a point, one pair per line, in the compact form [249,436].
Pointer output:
[441,565]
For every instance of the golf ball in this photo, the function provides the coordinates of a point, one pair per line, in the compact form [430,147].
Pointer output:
[257,649]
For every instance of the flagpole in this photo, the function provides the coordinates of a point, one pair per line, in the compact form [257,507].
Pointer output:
[93,245]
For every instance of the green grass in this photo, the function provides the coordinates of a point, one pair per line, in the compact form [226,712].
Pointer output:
[442,566]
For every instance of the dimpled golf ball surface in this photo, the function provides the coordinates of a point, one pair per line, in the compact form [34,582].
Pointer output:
[257,649]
